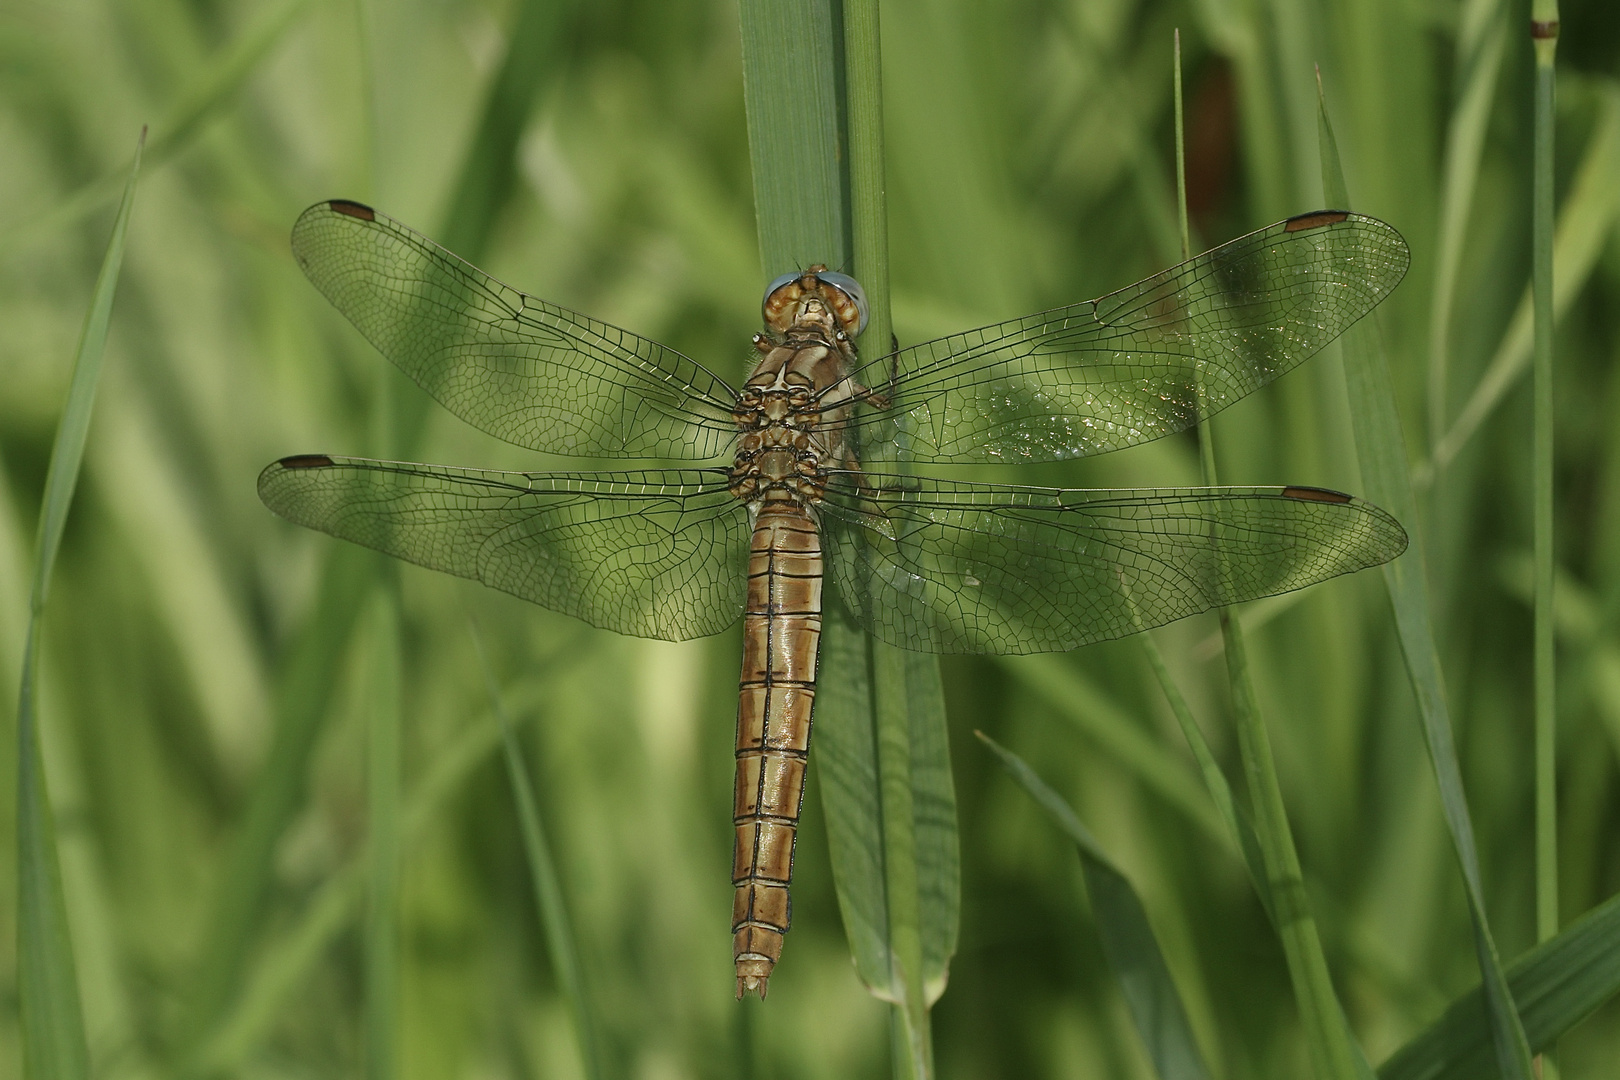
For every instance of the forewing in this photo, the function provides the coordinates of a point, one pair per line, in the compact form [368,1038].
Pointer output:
[518,368]
[950,567]
[1138,364]
[659,554]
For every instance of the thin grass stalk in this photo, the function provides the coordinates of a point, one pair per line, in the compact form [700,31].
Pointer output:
[1584,222]
[1481,39]
[1220,790]
[1381,454]
[1333,1052]
[550,905]
[1544,33]
[52,1019]
[382,932]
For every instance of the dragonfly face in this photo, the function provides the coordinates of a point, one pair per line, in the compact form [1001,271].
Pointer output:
[789,489]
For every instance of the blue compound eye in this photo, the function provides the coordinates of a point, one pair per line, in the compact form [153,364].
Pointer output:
[852,289]
[842,293]
[785,279]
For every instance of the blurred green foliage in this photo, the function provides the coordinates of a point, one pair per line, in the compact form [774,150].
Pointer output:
[1030,164]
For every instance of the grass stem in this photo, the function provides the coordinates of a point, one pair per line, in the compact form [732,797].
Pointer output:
[1544,32]
[52,1020]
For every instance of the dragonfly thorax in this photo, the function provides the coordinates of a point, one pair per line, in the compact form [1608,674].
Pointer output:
[782,442]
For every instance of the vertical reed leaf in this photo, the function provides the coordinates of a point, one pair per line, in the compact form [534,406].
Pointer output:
[1128,941]
[882,749]
[1381,452]
[795,135]
[53,1042]
[919,818]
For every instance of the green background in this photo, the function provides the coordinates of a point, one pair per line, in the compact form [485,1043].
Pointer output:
[1030,160]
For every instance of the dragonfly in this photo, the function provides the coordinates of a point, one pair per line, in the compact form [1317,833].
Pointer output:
[802,476]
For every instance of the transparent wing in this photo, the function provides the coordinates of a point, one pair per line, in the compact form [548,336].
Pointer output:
[660,554]
[938,566]
[1138,364]
[518,368]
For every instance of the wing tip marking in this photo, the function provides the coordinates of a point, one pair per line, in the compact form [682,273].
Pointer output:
[1316,219]
[306,461]
[1316,494]
[352,209]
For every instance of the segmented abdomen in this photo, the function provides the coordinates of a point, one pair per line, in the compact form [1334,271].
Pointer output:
[781,632]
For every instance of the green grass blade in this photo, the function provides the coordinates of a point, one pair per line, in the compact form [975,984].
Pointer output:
[1238,825]
[382,929]
[1381,452]
[1128,940]
[53,1040]
[1334,1053]
[1220,789]
[1585,222]
[1556,985]
[547,883]
[933,807]
[187,119]
[1079,701]
[852,795]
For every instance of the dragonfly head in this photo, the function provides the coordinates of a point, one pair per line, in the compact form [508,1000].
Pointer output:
[793,299]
